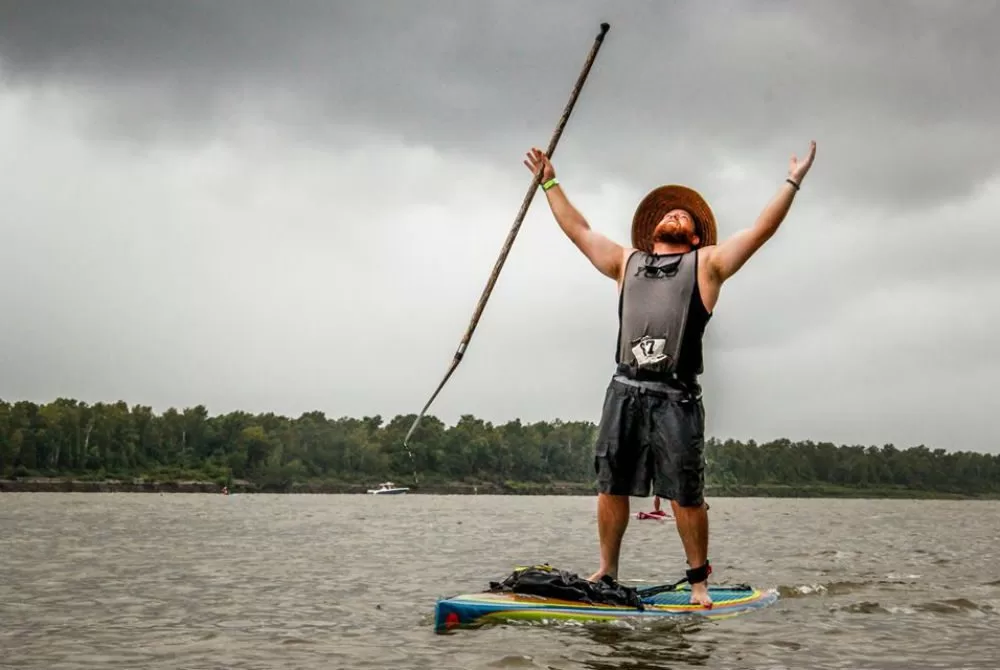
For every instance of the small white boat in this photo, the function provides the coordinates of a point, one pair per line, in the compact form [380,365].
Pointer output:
[388,489]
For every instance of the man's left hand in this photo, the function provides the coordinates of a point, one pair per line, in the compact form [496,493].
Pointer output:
[797,169]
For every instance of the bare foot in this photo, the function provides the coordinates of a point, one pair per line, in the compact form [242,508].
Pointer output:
[699,595]
[596,577]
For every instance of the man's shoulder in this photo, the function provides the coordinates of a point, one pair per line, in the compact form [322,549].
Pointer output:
[708,250]
[627,253]
[706,256]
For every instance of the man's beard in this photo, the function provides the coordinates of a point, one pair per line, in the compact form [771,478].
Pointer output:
[672,234]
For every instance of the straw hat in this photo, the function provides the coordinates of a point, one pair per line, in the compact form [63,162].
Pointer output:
[661,200]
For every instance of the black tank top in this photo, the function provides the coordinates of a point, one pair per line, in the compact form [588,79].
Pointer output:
[690,362]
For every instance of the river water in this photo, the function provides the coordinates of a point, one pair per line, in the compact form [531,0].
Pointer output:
[339,581]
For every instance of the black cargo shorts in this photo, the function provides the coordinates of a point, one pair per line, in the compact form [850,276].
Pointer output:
[651,434]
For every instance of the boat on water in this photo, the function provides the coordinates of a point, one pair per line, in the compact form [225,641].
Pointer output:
[388,488]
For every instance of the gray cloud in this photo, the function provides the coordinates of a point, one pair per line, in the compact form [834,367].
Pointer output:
[897,92]
[209,201]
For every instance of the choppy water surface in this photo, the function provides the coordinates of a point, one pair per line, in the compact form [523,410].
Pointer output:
[206,581]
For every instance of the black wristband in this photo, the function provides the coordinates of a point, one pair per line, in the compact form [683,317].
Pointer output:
[789,180]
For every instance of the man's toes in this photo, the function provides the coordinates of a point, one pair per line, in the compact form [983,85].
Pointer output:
[701,597]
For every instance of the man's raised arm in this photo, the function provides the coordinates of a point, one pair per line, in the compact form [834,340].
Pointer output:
[606,255]
[729,256]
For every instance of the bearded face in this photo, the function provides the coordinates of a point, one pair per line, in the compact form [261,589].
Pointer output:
[676,227]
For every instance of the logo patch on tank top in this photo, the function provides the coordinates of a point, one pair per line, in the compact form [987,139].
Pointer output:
[648,351]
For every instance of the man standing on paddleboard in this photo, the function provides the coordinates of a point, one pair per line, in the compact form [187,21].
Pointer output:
[652,423]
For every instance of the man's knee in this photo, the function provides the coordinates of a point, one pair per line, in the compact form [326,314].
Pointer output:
[692,502]
[605,498]
[619,487]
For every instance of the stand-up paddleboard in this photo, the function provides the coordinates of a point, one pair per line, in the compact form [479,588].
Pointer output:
[669,600]
[661,515]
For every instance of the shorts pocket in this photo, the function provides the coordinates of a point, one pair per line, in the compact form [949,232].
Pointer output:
[601,448]
[698,421]
[614,419]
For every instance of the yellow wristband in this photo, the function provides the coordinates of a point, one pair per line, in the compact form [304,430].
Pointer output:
[549,184]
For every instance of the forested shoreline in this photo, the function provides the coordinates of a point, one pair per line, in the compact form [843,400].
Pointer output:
[70,445]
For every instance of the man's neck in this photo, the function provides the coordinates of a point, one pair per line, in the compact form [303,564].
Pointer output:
[670,248]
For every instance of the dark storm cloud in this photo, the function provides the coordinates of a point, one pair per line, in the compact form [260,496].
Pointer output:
[900,95]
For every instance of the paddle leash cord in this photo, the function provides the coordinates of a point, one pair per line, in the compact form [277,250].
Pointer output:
[513,232]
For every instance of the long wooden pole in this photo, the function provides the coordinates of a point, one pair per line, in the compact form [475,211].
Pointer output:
[513,231]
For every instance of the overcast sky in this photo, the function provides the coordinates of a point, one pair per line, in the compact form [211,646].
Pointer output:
[295,206]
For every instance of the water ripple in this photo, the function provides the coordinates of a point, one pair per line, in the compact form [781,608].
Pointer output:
[205,581]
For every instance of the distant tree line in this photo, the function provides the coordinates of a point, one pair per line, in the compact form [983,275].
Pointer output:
[68,438]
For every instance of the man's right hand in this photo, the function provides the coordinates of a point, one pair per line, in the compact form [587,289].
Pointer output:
[537,160]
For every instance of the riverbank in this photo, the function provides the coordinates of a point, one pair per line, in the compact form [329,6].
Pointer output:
[140,485]
[71,485]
